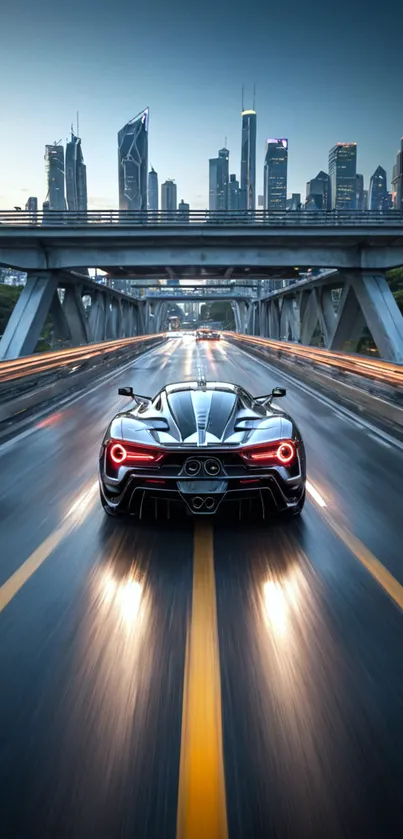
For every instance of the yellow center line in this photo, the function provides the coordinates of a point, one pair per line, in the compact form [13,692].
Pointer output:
[202,810]
[74,517]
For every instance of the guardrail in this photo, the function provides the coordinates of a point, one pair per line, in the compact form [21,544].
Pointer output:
[129,218]
[386,372]
[28,382]
[368,387]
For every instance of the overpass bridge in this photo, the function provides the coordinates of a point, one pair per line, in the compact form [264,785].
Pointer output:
[361,247]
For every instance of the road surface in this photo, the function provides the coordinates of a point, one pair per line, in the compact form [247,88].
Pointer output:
[200,681]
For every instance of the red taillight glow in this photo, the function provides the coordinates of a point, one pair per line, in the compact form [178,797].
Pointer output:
[130,454]
[282,453]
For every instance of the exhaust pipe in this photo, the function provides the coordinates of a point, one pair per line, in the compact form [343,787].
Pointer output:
[197,502]
[209,503]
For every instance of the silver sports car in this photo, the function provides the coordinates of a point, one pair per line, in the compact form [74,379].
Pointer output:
[203,445]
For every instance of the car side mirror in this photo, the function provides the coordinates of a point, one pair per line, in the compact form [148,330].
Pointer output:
[126,391]
[278,391]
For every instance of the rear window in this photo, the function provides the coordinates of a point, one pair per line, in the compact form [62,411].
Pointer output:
[221,406]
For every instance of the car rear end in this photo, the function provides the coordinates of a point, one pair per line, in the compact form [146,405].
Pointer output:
[269,477]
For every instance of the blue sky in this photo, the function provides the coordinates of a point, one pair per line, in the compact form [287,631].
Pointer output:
[325,73]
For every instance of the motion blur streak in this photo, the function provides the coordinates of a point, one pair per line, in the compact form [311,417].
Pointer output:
[201,804]
[74,517]
[290,629]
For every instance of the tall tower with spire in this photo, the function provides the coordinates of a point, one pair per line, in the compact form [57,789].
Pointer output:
[247,192]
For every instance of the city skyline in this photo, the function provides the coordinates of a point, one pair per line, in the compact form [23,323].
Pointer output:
[308,95]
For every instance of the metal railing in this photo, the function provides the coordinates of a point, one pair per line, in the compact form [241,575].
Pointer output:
[128,218]
[386,372]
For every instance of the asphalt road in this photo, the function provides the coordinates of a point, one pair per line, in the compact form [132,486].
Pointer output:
[271,707]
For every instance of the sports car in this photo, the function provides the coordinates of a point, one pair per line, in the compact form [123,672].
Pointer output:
[204,445]
[207,335]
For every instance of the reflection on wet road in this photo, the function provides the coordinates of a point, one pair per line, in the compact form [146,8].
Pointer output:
[225,681]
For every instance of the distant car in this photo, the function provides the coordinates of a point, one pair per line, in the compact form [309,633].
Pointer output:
[207,335]
[203,445]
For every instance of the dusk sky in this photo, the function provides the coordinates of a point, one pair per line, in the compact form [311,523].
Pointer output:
[324,73]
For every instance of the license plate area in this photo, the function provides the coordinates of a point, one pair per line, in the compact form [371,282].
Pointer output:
[202,487]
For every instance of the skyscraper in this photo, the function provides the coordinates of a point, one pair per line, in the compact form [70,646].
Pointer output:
[218,181]
[294,203]
[76,175]
[275,174]
[397,180]
[342,176]
[317,190]
[152,190]
[183,211]
[32,205]
[248,161]
[359,192]
[169,201]
[378,191]
[233,193]
[133,163]
[54,173]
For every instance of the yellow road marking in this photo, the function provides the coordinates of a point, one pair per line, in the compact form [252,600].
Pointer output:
[202,810]
[74,517]
[378,571]
[374,567]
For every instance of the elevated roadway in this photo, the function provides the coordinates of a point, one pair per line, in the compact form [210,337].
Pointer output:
[290,722]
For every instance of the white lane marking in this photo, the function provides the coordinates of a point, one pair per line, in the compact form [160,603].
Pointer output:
[83,501]
[70,400]
[361,422]
[315,494]
[379,440]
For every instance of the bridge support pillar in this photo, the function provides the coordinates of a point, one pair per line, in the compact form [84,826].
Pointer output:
[242,313]
[76,318]
[25,324]
[61,327]
[367,299]
[97,318]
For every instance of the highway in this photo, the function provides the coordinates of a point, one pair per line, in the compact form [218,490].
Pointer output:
[208,680]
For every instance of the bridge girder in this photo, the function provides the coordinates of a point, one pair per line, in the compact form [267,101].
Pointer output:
[297,313]
[111,315]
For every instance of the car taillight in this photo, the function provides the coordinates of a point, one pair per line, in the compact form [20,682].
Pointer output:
[280,453]
[132,454]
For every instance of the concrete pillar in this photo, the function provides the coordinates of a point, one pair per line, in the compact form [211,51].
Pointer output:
[310,318]
[327,314]
[273,331]
[97,318]
[61,328]
[25,324]
[381,313]
[75,315]
[350,323]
